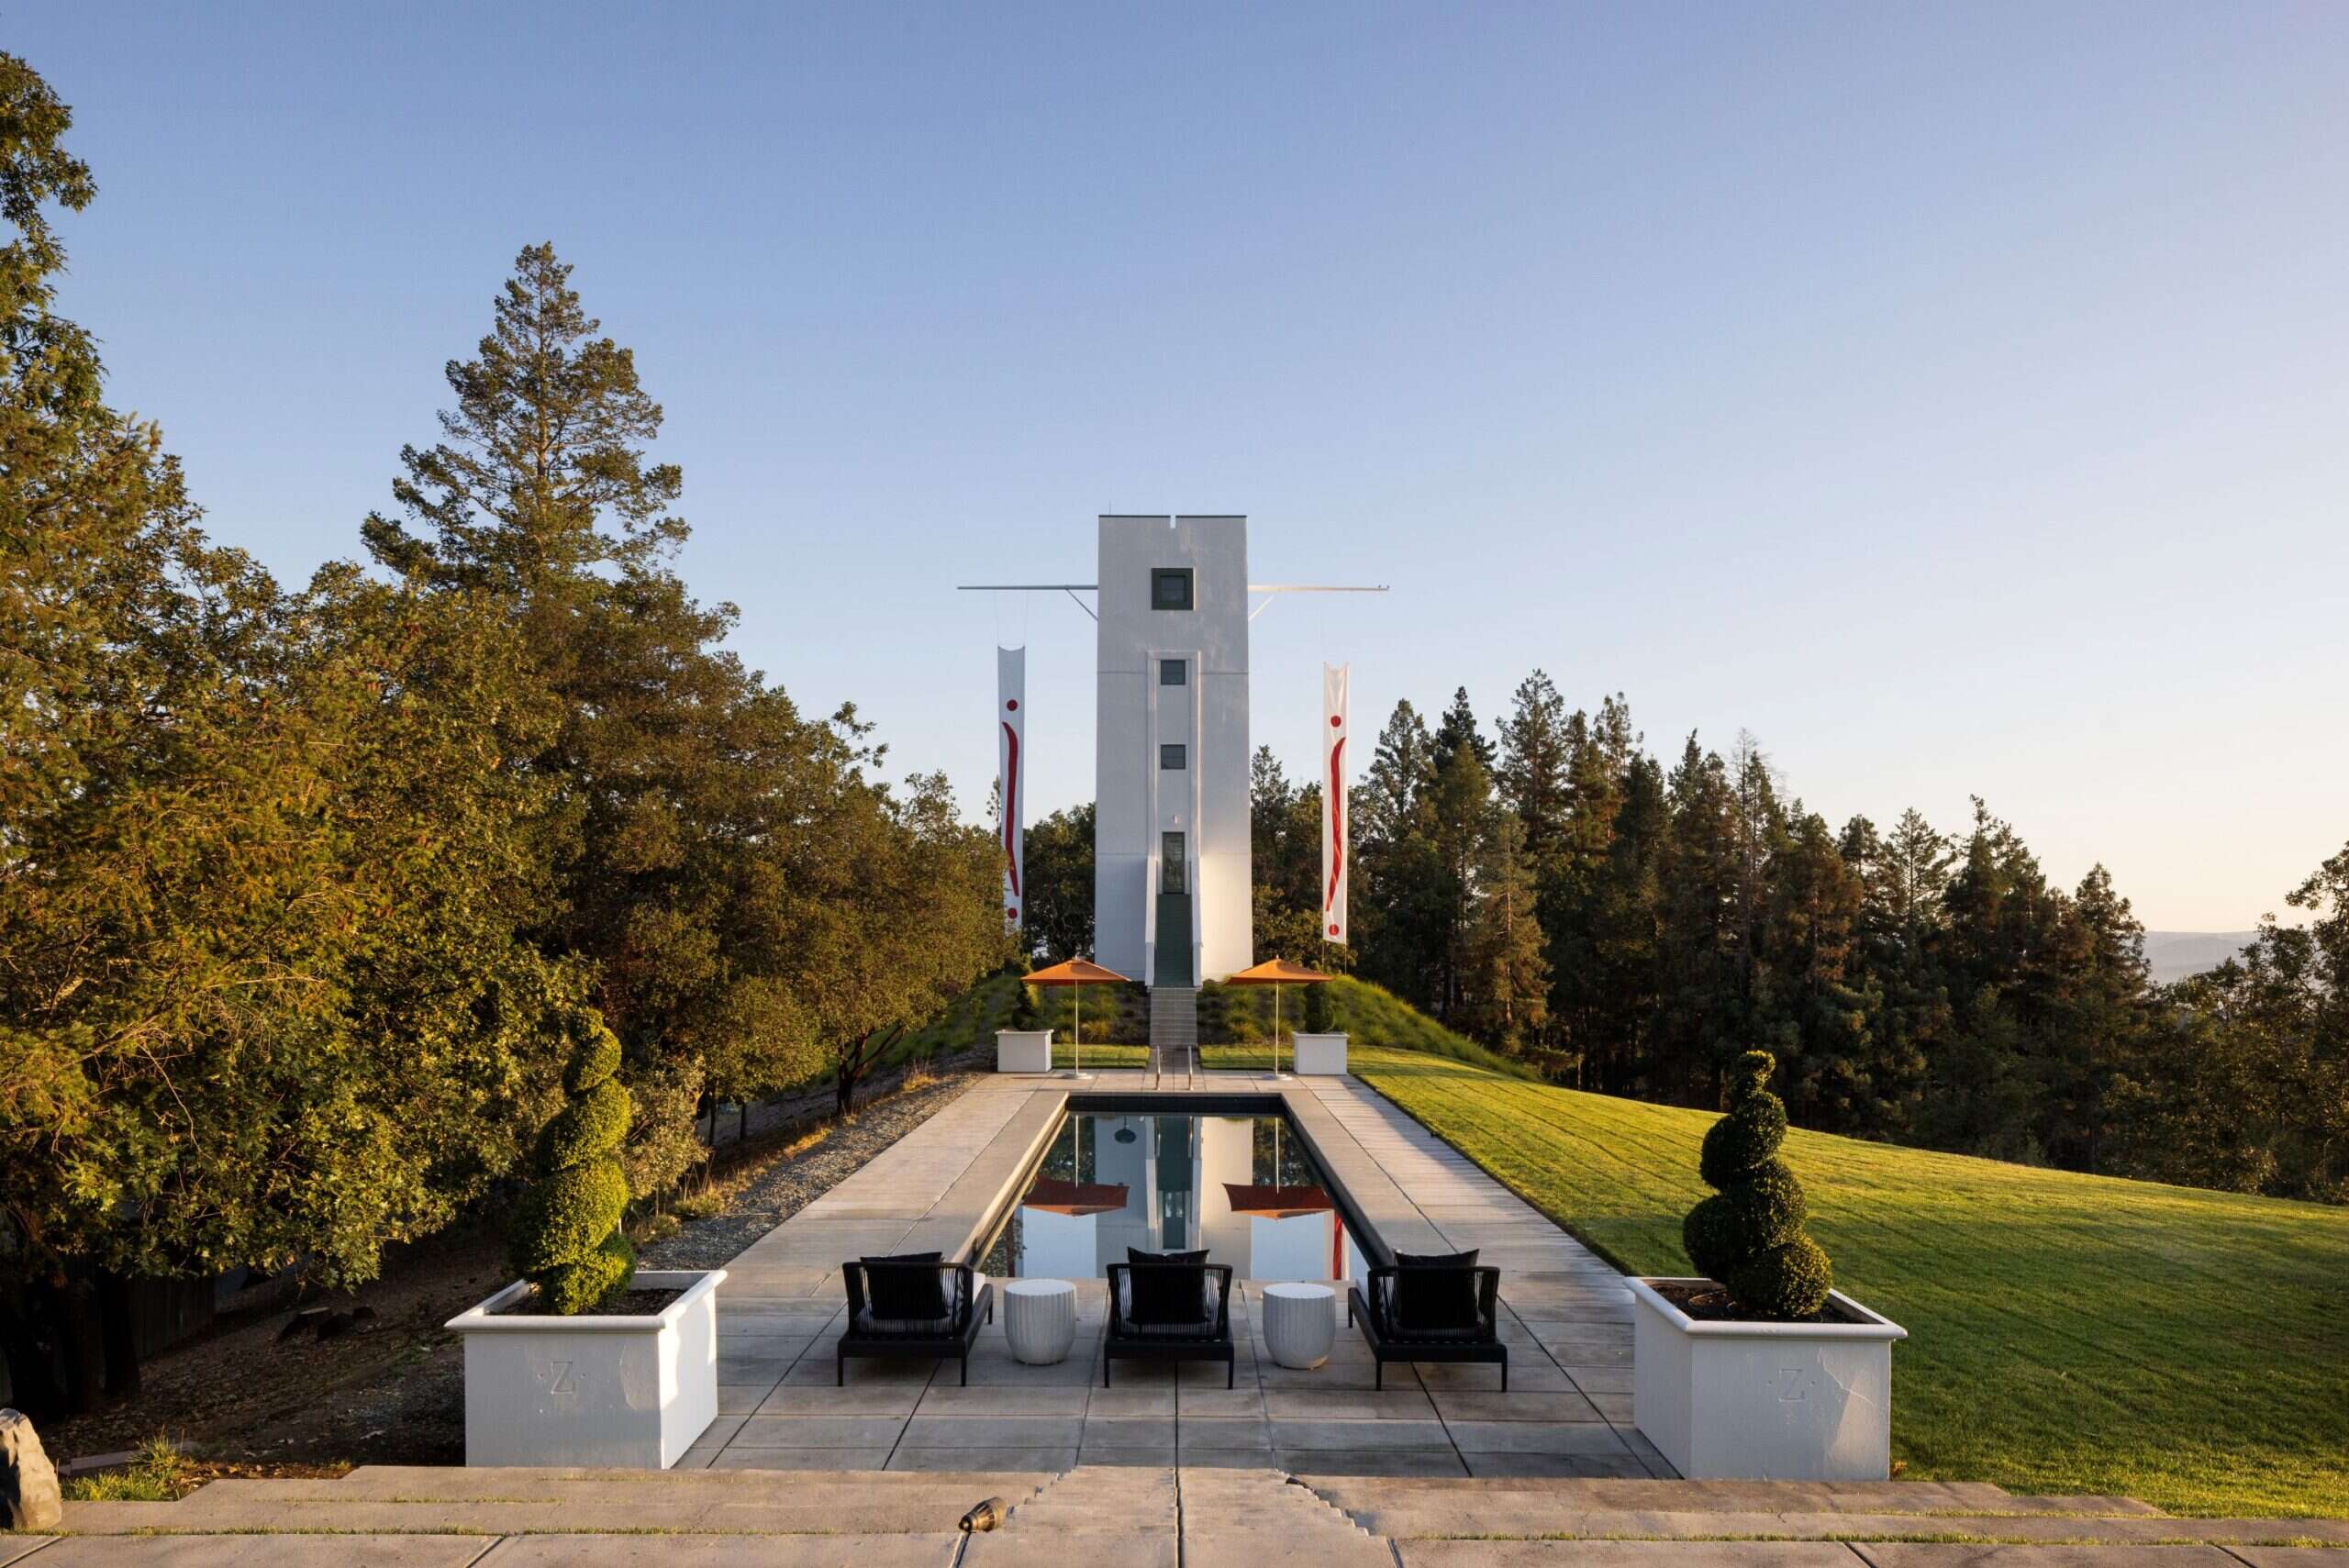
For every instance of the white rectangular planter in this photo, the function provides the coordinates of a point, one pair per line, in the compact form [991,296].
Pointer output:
[1320,1055]
[1023,1051]
[608,1391]
[1764,1401]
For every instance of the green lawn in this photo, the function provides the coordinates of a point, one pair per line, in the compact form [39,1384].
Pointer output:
[2067,1333]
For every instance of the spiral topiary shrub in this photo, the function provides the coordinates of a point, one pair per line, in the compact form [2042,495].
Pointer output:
[567,1239]
[1749,1234]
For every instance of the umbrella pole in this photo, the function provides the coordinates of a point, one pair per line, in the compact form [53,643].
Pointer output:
[1078,992]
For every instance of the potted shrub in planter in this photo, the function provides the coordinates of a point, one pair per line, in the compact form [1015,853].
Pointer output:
[588,1360]
[1761,1371]
[1321,1051]
[1024,1048]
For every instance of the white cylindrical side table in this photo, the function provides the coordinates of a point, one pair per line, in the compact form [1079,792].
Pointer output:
[1040,1319]
[1300,1322]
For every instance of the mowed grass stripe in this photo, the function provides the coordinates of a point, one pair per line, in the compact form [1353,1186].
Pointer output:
[2069,1333]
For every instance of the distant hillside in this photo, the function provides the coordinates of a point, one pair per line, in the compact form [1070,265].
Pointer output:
[2173,955]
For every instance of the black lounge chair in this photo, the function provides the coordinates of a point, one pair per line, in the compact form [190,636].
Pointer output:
[1185,1315]
[912,1307]
[1442,1312]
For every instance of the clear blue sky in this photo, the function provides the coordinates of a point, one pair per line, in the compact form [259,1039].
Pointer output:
[1956,397]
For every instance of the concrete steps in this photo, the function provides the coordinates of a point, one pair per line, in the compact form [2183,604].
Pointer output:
[1262,1517]
[1101,1499]
[1174,1029]
[1154,1514]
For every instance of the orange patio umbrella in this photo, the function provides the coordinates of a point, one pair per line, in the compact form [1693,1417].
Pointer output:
[1080,973]
[1276,972]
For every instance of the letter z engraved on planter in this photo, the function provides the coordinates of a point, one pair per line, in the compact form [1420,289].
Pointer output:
[1793,1383]
[560,1383]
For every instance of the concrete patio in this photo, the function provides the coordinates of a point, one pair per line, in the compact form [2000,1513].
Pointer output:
[1566,1316]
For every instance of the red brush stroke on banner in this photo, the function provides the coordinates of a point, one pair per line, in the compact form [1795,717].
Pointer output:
[1337,825]
[1010,805]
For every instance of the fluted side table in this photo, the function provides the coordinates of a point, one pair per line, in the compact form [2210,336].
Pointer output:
[1040,1319]
[1300,1322]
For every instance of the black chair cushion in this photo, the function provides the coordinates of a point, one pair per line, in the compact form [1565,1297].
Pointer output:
[1436,1293]
[1168,1298]
[907,1288]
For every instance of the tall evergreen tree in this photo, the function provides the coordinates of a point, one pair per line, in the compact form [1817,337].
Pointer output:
[1457,732]
[673,765]
[1509,969]
[1536,758]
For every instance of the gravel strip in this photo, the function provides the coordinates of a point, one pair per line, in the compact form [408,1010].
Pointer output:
[789,1185]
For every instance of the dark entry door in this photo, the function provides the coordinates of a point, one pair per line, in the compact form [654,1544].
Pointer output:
[1174,940]
[1172,966]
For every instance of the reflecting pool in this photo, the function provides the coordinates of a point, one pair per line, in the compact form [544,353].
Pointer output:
[1243,1187]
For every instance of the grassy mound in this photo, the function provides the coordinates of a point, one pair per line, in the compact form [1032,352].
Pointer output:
[2068,1333]
[1241,1015]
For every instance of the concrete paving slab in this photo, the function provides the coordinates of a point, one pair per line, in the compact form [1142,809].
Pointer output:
[13,1547]
[1279,1547]
[1337,1463]
[795,1431]
[934,1551]
[1143,1401]
[1054,1459]
[1535,1437]
[1008,1399]
[1349,1404]
[988,1432]
[1938,1554]
[1623,1554]
[1355,1435]
[1223,1434]
[824,1458]
[741,1398]
[1570,1408]
[1157,1455]
[1016,1548]
[281,1552]
[1128,1431]
[856,1400]
[1622,1465]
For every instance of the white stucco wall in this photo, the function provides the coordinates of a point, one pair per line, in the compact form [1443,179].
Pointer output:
[1137,801]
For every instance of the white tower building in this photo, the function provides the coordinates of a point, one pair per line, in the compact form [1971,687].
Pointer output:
[1171,858]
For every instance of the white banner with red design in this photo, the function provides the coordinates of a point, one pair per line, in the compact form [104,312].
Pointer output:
[1335,802]
[1011,777]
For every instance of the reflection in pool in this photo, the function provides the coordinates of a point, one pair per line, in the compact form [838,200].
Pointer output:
[1242,1186]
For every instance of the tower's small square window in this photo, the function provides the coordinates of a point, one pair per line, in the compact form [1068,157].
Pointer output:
[1170,587]
[1173,672]
[1170,757]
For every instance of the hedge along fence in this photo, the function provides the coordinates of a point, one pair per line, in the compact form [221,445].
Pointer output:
[567,1238]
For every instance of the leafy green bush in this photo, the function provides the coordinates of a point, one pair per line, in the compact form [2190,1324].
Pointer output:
[1317,1009]
[567,1238]
[1026,1015]
[1749,1234]
[158,1475]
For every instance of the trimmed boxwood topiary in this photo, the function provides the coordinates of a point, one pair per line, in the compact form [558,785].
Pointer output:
[1749,1234]
[566,1237]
